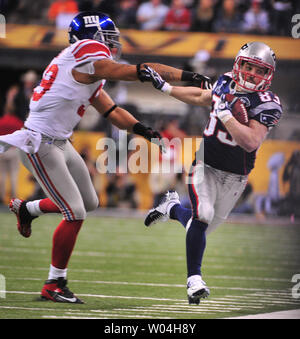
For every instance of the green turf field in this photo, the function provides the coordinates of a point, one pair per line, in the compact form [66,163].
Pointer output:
[122,270]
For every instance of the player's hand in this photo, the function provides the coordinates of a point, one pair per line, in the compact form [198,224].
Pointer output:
[157,81]
[201,81]
[196,79]
[236,107]
[223,110]
[149,134]
[156,138]
[143,73]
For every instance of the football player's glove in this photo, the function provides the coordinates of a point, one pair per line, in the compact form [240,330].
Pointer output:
[197,79]
[157,81]
[142,73]
[150,135]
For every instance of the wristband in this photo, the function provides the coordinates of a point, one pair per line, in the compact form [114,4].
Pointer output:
[107,113]
[139,73]
[187,76]
[167,88]
[224,115]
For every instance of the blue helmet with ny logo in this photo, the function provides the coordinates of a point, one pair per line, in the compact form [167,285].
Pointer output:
[96,26]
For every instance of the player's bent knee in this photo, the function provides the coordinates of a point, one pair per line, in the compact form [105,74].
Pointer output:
[92,204]
[77,213]
[215,223]
[205,214]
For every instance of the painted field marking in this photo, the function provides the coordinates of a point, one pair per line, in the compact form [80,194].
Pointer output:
[156,285]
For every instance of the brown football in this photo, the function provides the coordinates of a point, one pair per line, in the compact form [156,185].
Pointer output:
[238,110]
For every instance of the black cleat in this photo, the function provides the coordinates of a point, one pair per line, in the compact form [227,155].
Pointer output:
[56,290]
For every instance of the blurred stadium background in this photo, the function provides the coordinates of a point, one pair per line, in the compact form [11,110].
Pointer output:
[253,264]
[198,35]
[203,36]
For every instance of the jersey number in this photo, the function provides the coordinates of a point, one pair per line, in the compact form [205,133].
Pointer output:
[265,97]
[222,136]
[46,83]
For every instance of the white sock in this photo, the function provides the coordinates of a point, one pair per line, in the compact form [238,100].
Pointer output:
[55,273]
[33,208]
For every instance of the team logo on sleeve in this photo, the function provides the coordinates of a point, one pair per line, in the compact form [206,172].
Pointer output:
[270,119]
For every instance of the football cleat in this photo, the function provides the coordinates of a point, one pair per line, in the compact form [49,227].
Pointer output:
[24,219]
[56,290]
[161,212]
[196,289]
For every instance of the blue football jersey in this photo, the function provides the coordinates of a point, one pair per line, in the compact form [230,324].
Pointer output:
[220,149]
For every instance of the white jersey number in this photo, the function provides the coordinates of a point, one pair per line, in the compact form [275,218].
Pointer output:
[222,136]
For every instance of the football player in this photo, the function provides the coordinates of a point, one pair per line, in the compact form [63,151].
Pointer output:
[72,81]
[243,110]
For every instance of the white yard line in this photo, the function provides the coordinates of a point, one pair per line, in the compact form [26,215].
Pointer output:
[215,306]
[291,314]
[103,296]
[159,284]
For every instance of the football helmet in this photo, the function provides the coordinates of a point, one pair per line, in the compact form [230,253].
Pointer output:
[257,54]
[96,26]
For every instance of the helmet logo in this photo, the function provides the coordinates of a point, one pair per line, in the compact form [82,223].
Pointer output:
[274,56]
[91,21]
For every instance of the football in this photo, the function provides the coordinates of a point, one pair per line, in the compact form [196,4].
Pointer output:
[238,109]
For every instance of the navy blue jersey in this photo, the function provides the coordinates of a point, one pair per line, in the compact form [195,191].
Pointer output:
[220,150]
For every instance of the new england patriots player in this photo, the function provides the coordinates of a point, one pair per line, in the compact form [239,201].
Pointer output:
[243,110]
[72,81]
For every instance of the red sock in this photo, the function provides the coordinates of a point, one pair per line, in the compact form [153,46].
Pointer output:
[64,239]
[47,206]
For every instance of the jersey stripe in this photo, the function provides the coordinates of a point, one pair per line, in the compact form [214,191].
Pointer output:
[42,174]
[64,203]
[93,56]
[193,193]
[90,47]
[83,43]
[39,174]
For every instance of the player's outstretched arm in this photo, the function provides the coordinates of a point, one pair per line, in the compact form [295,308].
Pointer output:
[192,95]
[114,71]
[169,73]
[124,120]
[189,95]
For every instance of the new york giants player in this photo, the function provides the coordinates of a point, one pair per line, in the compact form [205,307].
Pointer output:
[72,81]
[229,151]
